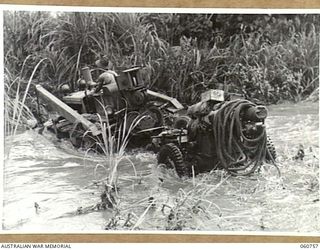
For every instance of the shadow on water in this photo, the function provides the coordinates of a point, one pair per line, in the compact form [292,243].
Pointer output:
[46,182]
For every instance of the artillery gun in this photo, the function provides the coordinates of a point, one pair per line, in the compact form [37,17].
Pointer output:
[221,131]
[112,98]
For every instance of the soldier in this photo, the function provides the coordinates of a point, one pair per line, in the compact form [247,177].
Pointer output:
[107,83]
[106,78]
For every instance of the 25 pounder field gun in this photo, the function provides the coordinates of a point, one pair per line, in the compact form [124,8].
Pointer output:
[112,97]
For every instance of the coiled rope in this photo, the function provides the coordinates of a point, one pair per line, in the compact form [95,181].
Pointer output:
[237,153]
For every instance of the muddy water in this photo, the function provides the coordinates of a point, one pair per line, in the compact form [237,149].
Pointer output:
[46,181]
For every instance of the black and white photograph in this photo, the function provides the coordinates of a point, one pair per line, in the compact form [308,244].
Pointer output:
[180,120]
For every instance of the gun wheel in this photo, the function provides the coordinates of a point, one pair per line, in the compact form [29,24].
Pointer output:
[152,118]
[89,142]
[271,150]
[171,156]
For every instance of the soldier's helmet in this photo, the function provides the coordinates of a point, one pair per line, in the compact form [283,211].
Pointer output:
[104,63]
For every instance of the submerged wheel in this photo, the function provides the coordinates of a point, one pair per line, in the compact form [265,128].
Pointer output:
[75,135]
[271,150]
[171,156]
[89,142]
[182,122]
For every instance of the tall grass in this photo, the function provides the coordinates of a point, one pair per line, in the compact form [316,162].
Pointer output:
[13,107]
[113,143]
[17,113]
[273,58]
[276,61]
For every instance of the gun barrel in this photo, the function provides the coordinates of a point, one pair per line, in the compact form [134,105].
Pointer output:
[255,113]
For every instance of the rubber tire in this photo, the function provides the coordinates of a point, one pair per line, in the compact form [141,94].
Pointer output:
[271,150]
[171,156]
[155,110]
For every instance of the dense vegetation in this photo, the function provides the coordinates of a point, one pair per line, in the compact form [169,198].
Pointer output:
[270,57]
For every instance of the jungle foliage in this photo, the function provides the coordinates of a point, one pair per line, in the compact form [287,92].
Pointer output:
[273,58]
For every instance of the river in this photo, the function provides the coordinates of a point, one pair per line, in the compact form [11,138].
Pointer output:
[46,181]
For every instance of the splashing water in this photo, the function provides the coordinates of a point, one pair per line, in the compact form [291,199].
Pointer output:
[46,182]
